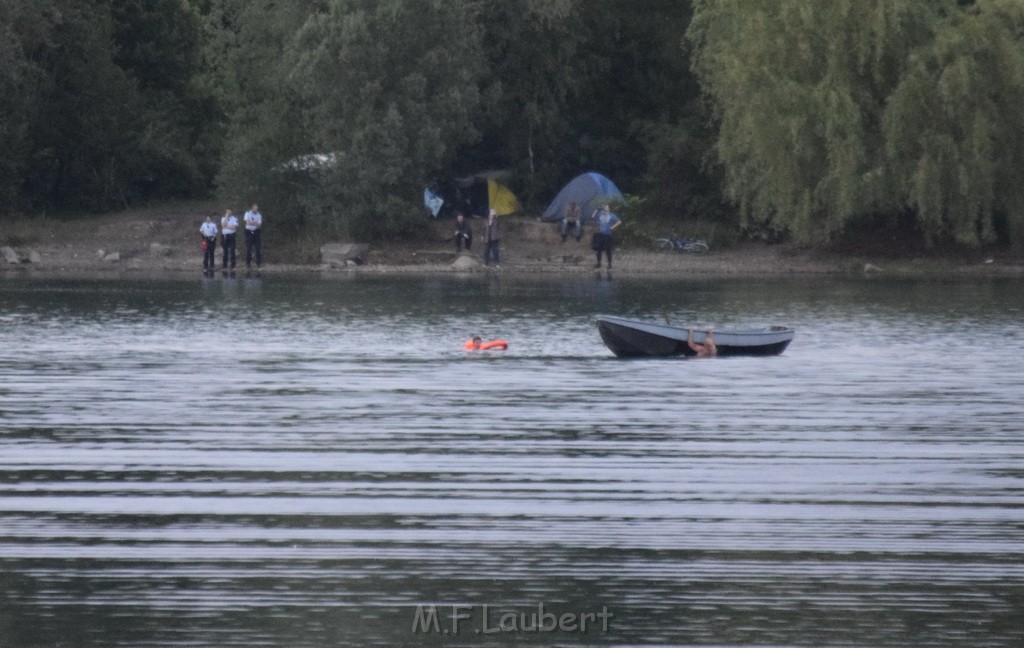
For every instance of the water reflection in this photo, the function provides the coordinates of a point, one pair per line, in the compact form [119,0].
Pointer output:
[339,460]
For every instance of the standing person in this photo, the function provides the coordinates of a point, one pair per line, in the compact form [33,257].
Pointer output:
[253,236]
[606,223]
[463,233]
[492,240]
[228,227]
[208,230]
[572,217]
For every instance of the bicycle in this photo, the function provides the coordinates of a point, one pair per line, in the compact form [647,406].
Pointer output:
[674,243]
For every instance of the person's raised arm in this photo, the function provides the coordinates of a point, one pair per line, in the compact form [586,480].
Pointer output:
[710,348]
[696,348]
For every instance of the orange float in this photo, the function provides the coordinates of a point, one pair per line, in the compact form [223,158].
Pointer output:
[478,344]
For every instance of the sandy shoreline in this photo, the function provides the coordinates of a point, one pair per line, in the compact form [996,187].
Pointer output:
[164,243]
[741,262]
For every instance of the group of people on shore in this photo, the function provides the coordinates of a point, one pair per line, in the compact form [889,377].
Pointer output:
[572,220]
[228,229]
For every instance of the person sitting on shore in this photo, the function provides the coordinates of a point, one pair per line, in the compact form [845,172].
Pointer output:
[463,233]
[706,349]
[572,218]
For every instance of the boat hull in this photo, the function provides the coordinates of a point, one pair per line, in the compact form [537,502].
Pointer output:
[635,339]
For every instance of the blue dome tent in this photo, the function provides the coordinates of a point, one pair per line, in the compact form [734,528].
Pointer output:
[589,191]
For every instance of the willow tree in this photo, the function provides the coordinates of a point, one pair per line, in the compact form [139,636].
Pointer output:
[826,112]
[953,126]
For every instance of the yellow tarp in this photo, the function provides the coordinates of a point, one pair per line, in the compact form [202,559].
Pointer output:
[501,199]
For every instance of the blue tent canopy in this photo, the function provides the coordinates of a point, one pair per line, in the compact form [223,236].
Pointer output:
[589,191]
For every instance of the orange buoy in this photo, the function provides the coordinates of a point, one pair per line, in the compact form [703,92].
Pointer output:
[478,344]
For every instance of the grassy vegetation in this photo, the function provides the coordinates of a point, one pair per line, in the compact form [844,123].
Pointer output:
[642,225]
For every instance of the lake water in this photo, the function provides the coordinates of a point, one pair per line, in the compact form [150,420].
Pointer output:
[292,461]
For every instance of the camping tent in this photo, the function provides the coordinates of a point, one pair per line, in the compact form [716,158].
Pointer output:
[473,196]
[589,191]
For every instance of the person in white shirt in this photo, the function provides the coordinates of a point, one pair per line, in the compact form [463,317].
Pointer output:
[208,230]
[228,227]
[253,239]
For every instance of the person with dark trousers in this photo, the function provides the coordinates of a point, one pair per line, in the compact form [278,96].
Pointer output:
[606,222]
[208,230]
[228,228]
[492,240]
[253,236]
[572,218]
[463,233]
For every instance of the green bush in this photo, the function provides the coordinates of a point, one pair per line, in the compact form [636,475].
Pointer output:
[641,226]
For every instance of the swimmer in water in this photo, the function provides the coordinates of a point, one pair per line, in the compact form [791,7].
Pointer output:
[705,350]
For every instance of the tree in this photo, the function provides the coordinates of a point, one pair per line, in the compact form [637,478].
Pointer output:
[15,74]
[815,104]
[537,63]
[81,149]
[159,45]
[99,104]
[953,125]
[644,121]
[389,88]
[249,42]
[572,86]
[393,95]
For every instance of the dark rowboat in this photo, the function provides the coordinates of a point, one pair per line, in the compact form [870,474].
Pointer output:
[634,339]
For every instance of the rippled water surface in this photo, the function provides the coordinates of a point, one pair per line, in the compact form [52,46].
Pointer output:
[304,462]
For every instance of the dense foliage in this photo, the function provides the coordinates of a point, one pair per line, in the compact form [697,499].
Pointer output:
[362,104]
[831,111]
[816,117]
[390,89]
[99,104]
